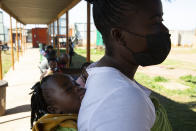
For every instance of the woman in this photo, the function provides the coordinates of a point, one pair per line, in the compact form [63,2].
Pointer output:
[134,35]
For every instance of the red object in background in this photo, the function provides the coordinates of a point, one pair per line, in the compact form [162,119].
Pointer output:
[39,35]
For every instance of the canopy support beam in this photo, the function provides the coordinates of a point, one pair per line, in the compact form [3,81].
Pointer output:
[17,45]
[58,50]
[88,31]
[49,32]
[54,46]
[11,40]
[67,37]
[21,40]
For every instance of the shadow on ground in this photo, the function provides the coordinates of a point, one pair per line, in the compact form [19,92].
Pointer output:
[18,109]
[181,116]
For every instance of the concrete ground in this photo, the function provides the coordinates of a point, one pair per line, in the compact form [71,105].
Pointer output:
[25,75]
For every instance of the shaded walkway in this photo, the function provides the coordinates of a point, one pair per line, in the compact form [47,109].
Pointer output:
[17,117]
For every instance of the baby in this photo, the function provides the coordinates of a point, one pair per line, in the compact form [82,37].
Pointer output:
[56,100]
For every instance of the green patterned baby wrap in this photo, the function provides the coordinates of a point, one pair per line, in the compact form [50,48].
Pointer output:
[162,122]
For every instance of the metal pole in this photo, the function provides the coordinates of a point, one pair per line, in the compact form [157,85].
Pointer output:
[23,39]
[17,45]
[58,50]
[49,32]
[67,35]
[1,72]
[88,31]
[12,46]
[20,39]
[54,46]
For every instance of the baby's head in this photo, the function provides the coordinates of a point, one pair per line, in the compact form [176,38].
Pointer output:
[55,94]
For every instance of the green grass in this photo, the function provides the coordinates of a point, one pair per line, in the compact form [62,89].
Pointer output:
[7,60]
[80,56]
[173,64]
[153,84]
[180,104]
[160,79]
[190,81]
[189,78]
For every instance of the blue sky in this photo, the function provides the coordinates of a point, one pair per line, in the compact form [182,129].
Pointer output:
[178,14]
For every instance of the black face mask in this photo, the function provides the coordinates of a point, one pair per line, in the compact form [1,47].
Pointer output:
[158,48]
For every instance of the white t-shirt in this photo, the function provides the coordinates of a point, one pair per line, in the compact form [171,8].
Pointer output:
[113,102]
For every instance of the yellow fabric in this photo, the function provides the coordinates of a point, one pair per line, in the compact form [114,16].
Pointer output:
[50,122]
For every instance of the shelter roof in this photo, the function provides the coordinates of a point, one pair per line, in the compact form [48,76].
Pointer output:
[37,11]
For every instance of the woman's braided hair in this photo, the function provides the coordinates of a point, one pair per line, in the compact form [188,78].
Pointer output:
[38,104]
[111,13]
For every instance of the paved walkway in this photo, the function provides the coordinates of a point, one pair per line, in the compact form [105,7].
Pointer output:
[20,81]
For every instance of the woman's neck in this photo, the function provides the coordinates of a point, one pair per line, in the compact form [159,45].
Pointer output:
[124,67]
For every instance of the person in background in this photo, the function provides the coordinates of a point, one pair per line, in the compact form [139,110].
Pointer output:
[49,54]
[71,51]
[62,61]
[53,68]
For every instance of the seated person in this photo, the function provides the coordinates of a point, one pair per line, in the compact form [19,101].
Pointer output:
[55,103]
[44,64]
[63,60]
[53,68]
[48,49]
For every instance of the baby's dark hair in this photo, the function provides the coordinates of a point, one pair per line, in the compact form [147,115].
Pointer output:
[85,65]
[38,104]
[111,13]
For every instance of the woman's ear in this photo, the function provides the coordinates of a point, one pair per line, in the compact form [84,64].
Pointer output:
[117,35]
[53,110]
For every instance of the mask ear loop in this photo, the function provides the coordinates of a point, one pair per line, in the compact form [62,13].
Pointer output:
[138,35]
[132,33]
[125,45]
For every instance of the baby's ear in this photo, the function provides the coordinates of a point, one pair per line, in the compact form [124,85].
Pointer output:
[53,110]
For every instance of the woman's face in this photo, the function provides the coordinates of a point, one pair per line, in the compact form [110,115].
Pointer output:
[145,21]
[68,95]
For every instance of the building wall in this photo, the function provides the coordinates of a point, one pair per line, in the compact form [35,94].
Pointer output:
[183,38]
[81,32]
[3,30]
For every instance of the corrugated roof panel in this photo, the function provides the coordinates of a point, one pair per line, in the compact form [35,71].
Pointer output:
[36,11]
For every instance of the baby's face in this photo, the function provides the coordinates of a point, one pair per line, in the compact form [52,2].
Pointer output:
[69,96]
